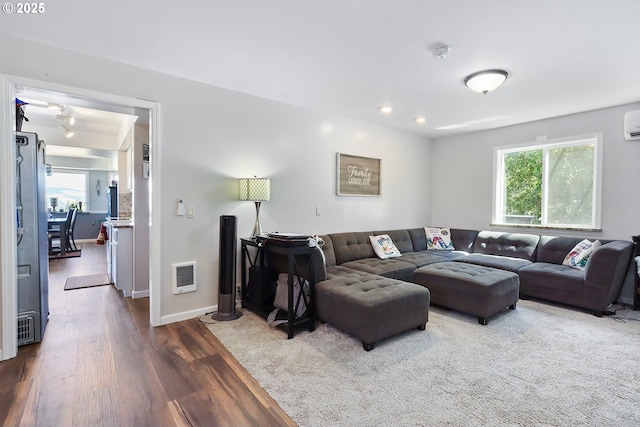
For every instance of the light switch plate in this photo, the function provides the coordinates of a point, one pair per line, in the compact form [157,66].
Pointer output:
[191,212]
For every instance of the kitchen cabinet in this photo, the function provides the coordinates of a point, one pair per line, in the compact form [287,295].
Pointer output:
[120,255]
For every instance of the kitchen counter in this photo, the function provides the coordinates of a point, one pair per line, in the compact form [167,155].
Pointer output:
[120,222]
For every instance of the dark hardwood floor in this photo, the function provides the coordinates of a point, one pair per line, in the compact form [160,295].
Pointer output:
[101,364]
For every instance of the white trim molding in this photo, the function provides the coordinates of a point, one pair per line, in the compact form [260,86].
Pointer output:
[8,256]
[8,242]
[186,315]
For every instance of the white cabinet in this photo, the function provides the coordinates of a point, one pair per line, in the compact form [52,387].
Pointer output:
[120,257]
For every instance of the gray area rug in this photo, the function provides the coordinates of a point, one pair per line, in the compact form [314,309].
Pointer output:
[89,281]
[540,365]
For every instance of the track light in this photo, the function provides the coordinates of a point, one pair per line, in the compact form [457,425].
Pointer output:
[67,132]
[69,120]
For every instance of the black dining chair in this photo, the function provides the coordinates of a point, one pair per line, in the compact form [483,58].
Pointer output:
[55,234]
[71,242]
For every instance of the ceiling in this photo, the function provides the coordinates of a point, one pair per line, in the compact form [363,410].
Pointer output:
[351,57]
[96,133]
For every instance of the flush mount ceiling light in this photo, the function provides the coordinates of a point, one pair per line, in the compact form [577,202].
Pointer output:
[386,109]
[420,120]
[485,81]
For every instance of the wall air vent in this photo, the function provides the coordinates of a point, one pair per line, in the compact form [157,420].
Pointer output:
[184,277]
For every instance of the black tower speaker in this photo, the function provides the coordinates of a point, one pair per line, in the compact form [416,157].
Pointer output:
[227,271]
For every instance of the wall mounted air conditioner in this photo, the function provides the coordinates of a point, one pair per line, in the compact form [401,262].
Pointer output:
[632,125]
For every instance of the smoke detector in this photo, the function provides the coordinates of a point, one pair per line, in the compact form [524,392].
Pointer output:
[440,50]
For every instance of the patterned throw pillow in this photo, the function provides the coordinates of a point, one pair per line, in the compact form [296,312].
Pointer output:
[580,254]
[384,246]
[439,238]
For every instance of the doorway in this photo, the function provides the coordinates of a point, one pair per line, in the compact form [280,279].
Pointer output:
[12,87]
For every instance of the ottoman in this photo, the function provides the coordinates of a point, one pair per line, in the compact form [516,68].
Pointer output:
[473,289]
[370,307]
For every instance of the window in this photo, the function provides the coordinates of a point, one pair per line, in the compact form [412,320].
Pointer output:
[68,188]
[550,184]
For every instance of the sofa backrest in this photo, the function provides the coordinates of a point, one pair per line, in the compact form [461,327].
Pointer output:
[352,246]
[462,239]
[513,245]
[401,238]
[553,249]
[418,238]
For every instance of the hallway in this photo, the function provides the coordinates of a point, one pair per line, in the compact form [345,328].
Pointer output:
[101,364]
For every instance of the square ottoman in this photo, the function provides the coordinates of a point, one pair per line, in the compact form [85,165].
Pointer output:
[370,307]
[473,289]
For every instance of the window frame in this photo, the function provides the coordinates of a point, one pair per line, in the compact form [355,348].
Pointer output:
[541,143]
[84,172]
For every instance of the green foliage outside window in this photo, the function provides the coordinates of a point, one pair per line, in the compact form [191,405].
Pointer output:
[523,180]
[569,185]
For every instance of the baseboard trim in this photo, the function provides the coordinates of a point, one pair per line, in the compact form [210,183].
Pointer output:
[140,294]
[186,315]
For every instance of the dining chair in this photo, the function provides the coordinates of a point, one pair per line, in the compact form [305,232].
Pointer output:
[71,243]
[55,234]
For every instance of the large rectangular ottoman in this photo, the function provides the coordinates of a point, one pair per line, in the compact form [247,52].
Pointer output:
[370,307]
[473,289]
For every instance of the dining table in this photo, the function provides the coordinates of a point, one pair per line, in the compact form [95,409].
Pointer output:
[59,223]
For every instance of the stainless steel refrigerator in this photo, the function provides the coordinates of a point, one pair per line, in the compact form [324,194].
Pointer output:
[33,260]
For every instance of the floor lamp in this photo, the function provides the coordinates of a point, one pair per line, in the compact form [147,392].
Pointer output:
[257,190]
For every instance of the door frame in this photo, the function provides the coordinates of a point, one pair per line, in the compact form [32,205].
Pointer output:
[9,85]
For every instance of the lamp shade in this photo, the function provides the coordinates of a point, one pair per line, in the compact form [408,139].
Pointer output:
[485,81]
[254,189]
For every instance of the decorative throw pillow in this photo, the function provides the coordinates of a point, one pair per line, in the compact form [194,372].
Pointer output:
[579,255]
[439,238]
[384,246]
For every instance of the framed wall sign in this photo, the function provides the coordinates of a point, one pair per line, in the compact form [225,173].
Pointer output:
[358,176]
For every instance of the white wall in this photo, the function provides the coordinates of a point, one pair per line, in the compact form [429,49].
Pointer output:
[462,171]
[212,136]
[140,213]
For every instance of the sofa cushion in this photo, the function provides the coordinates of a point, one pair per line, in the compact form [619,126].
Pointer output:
[384,247]
[495,261]
[401,239]
[439,239]
[578,256]
[352,246]
[514,245]
[462,239]
[394,268]
[423,258]
[557,283]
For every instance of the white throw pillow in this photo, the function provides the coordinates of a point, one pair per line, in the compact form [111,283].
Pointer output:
[579,255]
[439,238]
[384,246]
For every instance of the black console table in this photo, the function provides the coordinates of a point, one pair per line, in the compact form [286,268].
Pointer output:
[257,259]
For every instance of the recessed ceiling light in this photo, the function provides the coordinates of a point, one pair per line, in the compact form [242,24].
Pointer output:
[421,120]
[386,109]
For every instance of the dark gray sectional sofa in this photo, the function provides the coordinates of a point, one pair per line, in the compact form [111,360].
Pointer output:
[357,287]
